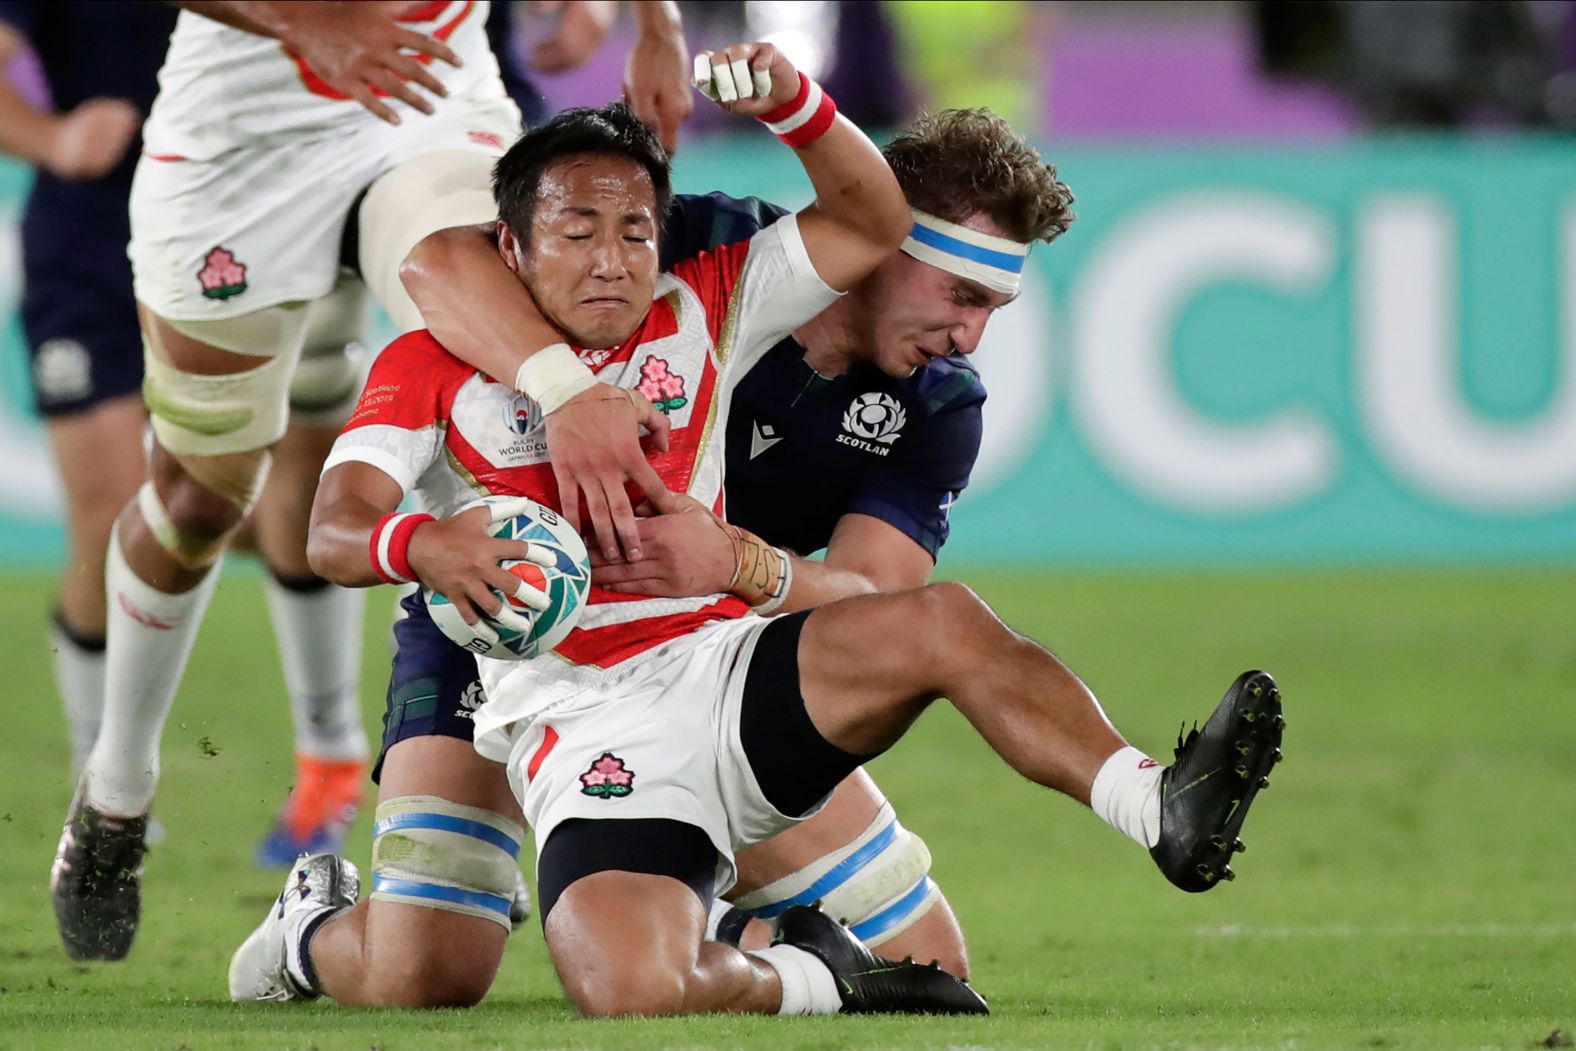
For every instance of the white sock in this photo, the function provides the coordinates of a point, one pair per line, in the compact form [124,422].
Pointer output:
[318,629]
[1126,795]
[808,985]
[79,678]
[150,636]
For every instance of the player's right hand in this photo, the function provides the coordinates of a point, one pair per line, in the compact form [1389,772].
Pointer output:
[750,79]
[580,28]
[89,141]
[360,49]
[593,442]
[459,558]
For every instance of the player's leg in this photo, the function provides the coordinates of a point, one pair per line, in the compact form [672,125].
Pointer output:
[445,862]
[215,413]
[865,868]
[317,624]
[629,859]
[624,913]
[868,666]
[101,461]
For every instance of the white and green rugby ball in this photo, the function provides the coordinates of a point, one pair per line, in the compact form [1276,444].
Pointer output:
[530,632]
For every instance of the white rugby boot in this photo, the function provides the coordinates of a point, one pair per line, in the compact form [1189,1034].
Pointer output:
[271,965]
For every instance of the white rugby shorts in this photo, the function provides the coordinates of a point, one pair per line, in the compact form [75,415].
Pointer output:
[661,741]
[253,228]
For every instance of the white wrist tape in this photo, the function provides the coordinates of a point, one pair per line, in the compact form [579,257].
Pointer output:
[552,376]
[775,600]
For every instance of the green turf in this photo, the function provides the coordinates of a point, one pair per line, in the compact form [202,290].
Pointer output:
[1410,880]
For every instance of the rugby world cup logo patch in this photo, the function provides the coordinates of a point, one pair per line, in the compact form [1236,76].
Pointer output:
[608,778]
[873,417]
[522,415]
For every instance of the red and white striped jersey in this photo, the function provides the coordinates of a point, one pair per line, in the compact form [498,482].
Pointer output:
[221,88]
[449,433]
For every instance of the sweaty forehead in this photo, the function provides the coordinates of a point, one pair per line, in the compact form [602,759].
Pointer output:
[616,185]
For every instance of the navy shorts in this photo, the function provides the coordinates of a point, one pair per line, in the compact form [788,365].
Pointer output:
[78,311]
[434,688]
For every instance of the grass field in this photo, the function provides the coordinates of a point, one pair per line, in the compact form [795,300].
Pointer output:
[1410,878]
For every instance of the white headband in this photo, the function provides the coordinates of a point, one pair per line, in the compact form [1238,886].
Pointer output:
[995,262]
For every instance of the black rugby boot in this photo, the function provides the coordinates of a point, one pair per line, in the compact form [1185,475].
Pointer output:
[869,984]
[96,882]
[1206,793]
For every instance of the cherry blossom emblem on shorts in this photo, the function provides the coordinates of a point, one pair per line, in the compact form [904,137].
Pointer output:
[663,389]
[608,778]
[221,276]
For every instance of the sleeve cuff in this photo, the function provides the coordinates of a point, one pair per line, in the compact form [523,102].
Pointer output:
[798,257]
[383,461]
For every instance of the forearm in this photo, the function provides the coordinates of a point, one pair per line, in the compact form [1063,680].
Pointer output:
[270,18]
[865,555]
[26,131]
[815,583]
[352,501]
[339,541]
[855,189]
[473,303]
[656,16]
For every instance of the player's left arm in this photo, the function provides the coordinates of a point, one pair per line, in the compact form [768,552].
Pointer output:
[83,143]
[859,216]
[688,551]
[656,81]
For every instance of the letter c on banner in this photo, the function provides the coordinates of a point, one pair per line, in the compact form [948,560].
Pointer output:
[1124,310]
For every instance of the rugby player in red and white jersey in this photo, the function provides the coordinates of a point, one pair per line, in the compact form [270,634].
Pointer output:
[717,729]
[273,121]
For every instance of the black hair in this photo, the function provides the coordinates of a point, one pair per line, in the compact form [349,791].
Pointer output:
[610,130]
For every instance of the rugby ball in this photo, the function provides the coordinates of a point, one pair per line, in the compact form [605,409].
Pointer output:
[524,632]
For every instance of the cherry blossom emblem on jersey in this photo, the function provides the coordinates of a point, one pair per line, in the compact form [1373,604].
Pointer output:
[221,275]
[662,388]
[608,778]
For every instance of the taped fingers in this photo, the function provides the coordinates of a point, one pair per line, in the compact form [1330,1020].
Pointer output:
[743,85]
[728,76]
[532,596]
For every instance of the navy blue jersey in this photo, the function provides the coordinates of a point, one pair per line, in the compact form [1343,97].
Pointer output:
[804,450]
[511,67]
[96,50]
[77,308]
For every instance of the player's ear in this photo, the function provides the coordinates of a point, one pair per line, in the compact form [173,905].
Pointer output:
[510,248]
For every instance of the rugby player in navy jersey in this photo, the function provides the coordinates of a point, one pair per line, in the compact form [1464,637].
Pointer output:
[854,445]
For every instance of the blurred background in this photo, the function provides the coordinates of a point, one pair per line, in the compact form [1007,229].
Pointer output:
[1319,303]
[1297,390]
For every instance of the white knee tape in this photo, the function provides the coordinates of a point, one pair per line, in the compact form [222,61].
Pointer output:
[191,554]
[878,885]
[430,852]
[202,415]
[422,195]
